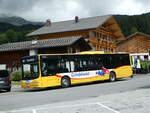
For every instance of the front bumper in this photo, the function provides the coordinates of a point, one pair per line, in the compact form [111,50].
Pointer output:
[5,86]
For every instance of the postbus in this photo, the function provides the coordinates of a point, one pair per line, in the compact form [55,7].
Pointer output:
[48,70]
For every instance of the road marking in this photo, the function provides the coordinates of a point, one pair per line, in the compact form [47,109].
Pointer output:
[47,107]
[102,105]
[33,110]
[66,106]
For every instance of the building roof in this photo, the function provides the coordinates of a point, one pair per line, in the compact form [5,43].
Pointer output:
[133,35]
[26,45]
[65,26]
[137,33]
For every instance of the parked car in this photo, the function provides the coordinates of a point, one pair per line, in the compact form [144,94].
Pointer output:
[5,80]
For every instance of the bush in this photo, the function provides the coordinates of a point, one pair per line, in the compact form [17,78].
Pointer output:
[17,75]
[145,64]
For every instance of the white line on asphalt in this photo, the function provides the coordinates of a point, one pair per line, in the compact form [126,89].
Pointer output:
[102,105]
[64,106]
[33,110]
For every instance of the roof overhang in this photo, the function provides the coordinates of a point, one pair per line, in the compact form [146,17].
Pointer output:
[30,35]
[47,43]
[115,28]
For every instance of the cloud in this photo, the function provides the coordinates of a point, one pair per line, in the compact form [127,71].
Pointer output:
[57,10]
[145,5]
[16,6]
[99,7]
[131,7]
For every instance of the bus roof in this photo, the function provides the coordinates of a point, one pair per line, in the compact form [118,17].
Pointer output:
[85,53]
[91,52]
[80,53]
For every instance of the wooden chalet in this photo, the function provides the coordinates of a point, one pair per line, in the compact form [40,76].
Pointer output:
[137,44]
[100,32]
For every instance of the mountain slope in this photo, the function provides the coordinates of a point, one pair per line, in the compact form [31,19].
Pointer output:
[135,23]
[6,26]
[16,20]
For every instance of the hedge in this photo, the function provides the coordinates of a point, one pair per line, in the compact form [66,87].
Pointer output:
[17,75]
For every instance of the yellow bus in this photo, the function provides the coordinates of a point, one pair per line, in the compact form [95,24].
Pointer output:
[47,70]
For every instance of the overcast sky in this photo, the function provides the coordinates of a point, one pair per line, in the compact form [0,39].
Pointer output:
[58,10]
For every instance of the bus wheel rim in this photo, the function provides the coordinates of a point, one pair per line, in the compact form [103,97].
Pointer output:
[65,82]
[112,77]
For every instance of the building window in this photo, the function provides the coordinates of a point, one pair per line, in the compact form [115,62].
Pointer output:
[145,57]
[70,50]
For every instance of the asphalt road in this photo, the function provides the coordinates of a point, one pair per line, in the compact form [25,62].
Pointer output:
[23,98]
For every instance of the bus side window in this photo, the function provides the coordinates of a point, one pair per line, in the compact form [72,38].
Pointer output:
[44,69]
[68,66]
[76,66]
[113,62]
[98,63]
[63,67]
[92,64]
[84,65]
[72,66]
[49,67]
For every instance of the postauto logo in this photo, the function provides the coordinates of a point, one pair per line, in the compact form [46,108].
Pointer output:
[102,72]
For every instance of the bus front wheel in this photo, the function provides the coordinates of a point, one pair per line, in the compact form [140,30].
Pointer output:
[112,77]
[65,82]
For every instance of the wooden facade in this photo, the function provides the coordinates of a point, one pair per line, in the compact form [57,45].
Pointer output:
[135,43]
[12,59]
[102,38]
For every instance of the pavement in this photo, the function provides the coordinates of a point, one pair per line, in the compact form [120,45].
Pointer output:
[127,96]
[137,101]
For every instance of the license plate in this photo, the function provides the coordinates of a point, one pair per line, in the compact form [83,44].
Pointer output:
[1,82]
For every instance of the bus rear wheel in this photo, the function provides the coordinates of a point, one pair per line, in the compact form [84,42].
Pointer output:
[112,77]
[65,82]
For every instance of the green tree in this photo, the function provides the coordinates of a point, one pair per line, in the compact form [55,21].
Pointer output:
[133,30]
[11,35]
[19,36]
[3,38]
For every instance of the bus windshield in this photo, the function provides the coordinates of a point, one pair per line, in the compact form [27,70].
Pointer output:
[30,71]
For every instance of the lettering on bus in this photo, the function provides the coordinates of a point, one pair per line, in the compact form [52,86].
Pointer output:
[102,72]
[79,74]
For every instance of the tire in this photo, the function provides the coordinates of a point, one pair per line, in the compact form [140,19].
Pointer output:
[8,89]
[131,76]
[112,77]
[65,82]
